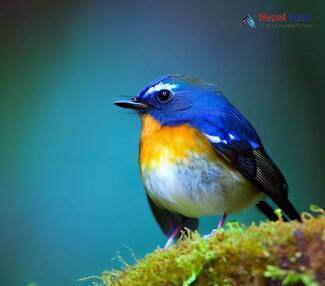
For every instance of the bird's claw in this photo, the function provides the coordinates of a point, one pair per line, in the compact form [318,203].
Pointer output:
[208,236]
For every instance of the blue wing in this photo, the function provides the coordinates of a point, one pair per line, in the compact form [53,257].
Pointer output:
[237,141]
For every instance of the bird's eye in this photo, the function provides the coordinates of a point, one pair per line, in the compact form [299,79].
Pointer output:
[164,95]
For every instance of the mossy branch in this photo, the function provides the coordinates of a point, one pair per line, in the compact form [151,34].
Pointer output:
[272,253]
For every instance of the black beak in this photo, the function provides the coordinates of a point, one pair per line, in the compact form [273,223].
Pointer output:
[131,104]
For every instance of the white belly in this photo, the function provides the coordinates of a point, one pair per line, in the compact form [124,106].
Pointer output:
[199,187]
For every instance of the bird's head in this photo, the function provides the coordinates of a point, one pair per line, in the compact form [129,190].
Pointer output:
[176,99]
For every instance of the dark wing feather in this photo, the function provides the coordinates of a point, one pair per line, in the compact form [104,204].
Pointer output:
[258,167]
[237,141]
[169,221]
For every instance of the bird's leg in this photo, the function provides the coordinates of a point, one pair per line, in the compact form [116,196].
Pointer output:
[220,225]
[222,220]
[172,237]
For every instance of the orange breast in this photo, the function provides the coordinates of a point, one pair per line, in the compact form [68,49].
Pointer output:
[163,144]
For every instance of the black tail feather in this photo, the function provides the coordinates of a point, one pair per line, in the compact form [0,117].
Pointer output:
[288,209]
[268,211]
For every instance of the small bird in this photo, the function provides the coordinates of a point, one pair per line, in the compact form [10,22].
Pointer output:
[198,156]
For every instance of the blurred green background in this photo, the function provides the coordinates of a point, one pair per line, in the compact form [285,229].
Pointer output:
[70,194]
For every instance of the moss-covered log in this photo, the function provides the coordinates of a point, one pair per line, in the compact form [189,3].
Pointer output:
[272,253]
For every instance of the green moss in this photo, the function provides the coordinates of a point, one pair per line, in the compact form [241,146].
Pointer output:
[289,277]
[272,253]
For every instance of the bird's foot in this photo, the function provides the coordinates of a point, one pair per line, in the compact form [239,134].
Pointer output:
[220,225]
[174,235]
[169,243]
[208,236]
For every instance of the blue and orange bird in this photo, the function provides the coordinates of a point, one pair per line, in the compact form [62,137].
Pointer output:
[198,156]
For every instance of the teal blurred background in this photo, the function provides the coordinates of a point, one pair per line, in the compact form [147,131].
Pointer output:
[70,194]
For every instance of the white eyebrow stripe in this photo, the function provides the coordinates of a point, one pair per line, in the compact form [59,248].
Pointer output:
[160,86]
[215,139]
